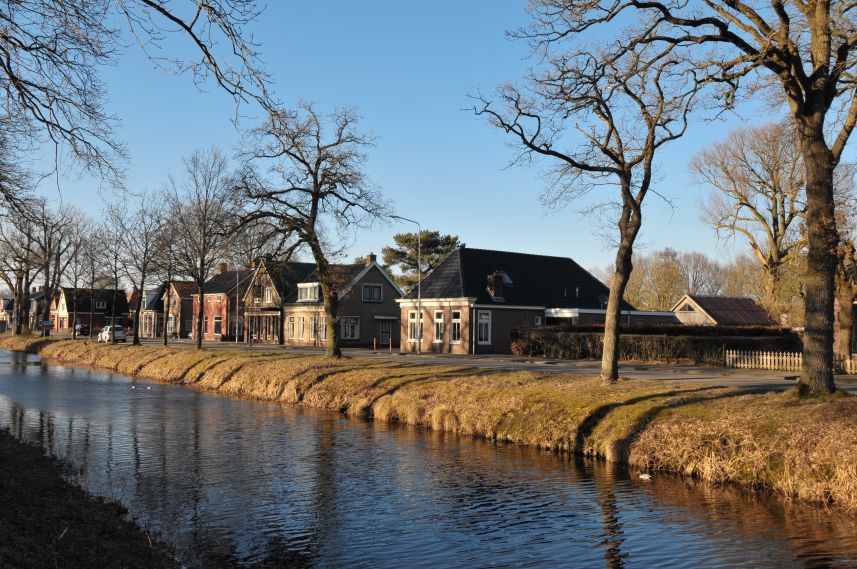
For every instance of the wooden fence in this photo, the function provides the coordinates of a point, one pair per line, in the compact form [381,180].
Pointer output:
[782,361]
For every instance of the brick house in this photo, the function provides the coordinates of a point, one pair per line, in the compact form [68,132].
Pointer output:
[179,318]
[473,299]
[285,306]
[220,321]
[94,308]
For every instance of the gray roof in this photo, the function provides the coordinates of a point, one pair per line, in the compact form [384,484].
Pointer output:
[529,280]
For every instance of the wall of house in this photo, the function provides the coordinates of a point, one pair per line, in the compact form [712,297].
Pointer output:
[694,318]
[215,306]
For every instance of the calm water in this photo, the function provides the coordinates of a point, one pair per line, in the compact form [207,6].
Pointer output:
[231,482]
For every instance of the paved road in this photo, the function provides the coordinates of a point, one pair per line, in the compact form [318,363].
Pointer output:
[761,380]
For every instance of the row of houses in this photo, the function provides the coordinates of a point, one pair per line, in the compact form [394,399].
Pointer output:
[468,304]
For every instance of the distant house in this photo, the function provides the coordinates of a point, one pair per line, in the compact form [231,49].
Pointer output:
[720,311]
[221,319]
[285,305]
[179,318]
[152,313]
[473,299]
[38,299]
[7,314]
[94,307]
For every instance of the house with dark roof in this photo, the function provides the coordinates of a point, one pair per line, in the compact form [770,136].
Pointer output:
[285,305]
[222,304]
[38,297]
[473,299]
[152,312]
[7,314]
[178,308]
[93,307]
[702,310]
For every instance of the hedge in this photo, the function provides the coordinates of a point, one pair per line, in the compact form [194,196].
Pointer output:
[709,349]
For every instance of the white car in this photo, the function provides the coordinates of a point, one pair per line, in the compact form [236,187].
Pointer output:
[108,332]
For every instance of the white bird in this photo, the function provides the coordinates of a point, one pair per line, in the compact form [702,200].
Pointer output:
[149,387]
[644,475]
[133,387]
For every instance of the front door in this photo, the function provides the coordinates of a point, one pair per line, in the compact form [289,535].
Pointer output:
[385,332]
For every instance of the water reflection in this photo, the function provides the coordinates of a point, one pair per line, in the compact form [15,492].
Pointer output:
[231,482]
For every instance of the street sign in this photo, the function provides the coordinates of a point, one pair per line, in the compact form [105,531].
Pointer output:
[46,324]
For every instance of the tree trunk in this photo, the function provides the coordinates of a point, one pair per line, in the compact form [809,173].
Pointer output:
[74,315]
[198,338]
[113,315]
[136,341]
[167,310]
[629,226]
[330,298]
[817,373]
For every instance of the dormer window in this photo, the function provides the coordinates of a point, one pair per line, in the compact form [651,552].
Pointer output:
[100,304]
[308,292]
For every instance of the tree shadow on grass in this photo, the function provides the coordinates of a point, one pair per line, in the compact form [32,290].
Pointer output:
[591,422]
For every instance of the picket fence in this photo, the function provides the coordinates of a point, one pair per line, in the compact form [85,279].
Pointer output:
[782,361]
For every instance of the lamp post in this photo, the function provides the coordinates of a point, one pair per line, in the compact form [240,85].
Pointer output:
[419,282]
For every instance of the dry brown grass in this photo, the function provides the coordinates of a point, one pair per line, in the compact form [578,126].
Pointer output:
[804,448]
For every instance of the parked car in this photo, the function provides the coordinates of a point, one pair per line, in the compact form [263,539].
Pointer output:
[81,330]
[109,332]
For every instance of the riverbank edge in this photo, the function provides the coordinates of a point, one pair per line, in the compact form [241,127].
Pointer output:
[47,521]
[801,448]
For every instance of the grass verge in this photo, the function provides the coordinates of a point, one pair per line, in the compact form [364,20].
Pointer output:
[804,448]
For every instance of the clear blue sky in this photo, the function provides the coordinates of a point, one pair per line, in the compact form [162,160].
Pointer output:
[408,67]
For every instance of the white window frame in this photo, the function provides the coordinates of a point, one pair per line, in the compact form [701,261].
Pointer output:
[217,320]
[291,327]
[313,328]
[343,327]
[205,324]
[438,327]
[412,326]
[269,294]
[323,328]
[100,304]
[308,292]
[455,326]
[373,286]
[301,327]
[479,322]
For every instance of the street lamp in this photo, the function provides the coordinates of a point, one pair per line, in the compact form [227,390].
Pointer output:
[419,282]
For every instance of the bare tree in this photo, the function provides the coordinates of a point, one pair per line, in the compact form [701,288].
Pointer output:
[18,267]
[140,241]
[601,117]
[51,54]
[804,52]
[110,257]
[204,210]
[53,237]
[77,267]
[758,180]
[323,186]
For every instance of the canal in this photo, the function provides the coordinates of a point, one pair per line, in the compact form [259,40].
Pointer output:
[229,482]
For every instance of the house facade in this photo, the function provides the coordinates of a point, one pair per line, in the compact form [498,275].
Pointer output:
[471,302]
[7,314]
[222,320]
[179,318]
[152,313]
[92,307]
[285,305]
[699,310]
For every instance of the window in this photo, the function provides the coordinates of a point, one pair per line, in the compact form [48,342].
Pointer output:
[218,325]
[373,293]
[412,326]
[187,325]
[301,328]
[291,326]
[269,294]
[313,328]
[483,331]
[100,304]
[455,328]
[538,321]
[323,327]
[308,292]
[350,328]
[438,327]
[205,324]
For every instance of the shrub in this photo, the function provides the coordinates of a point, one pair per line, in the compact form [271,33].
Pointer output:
[708,349]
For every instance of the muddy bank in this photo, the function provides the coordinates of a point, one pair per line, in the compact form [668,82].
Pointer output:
[47,522]
[804,448]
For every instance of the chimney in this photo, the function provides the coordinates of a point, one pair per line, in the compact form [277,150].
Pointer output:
[495,285]
[222,267]
[370,259]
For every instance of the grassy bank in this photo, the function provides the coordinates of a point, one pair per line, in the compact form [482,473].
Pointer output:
[803,448]
[47,522]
